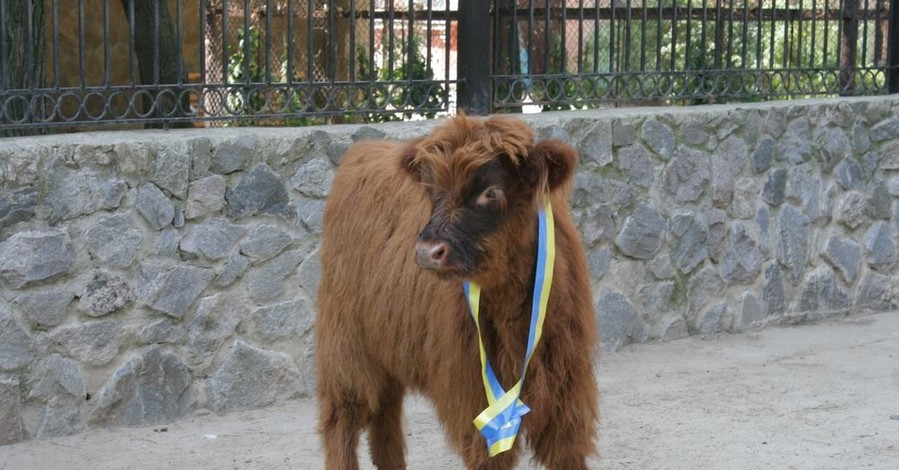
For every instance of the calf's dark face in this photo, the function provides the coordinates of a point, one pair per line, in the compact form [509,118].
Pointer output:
[466,215]
[482,181]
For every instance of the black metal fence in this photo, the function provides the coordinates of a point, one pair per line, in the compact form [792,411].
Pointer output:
[66,64]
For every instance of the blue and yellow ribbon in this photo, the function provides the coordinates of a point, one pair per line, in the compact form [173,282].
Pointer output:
[500,421]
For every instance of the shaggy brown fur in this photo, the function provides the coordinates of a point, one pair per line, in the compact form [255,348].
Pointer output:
[387,326]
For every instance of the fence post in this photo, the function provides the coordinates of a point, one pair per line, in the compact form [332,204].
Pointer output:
[474,56]
[893,47]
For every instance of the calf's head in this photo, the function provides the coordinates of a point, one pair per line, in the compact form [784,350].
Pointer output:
[485,180]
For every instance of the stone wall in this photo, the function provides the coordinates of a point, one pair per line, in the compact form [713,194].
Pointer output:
[149,275]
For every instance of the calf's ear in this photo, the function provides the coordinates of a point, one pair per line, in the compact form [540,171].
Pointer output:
[410,162]
[551,164]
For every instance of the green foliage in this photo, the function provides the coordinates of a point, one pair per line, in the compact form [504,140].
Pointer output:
[408,90]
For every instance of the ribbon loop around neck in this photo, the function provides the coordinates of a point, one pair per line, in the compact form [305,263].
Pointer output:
[500,421]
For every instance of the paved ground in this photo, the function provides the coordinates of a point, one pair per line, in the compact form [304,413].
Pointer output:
[811,397]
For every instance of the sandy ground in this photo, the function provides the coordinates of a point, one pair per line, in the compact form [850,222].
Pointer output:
[812,397]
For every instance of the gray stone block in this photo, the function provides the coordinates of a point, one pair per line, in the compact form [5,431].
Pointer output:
[879,200]
[311,212]
[154,206]
[152,388]
[880,247]
[875,292]
[686,176]
[795,146]
[596,224]
[313,178]
[642,233]
[95,343]
[264,241]
[861,143]
[596,145]
[715,319]
[172,169]
[850,209]
[232,270]
[285,320]
[619,322]
[12,429]
[17,205]
[55,403]
[835,147]
[703,288]
[821,292]
[658,137]
[598,261]
[636,162]
[205,197]
[763,223]
[717,220]
[368,133]
[200,149]
[214,321]
[75,193]
[212,239]
[845,255]
[889,156]
[893,186]
[688,236]
[16,346]
[162,330]
[727,164]
[793,235]
[773,294]
[36,256]
[171,290]
[694,131]
[261,191]
[252,377]
[114,240]
[885,130]
[45,309]
[310,273]
[662,267]
[233,155]
[804,187]
[623,133]
[167,241]
[745,198]
[105,294]
[774,191]
[656,296]
[742,260]
[752,312]
[266,282]
[848,174]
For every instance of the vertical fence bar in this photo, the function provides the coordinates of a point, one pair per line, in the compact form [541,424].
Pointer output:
[56,67]
[893,49]
[157,19]
[4,74]
[81,53]
[225,54]
[473,69]
[106,41]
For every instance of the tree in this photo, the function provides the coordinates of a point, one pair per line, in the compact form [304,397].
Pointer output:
[156,48]
[24,48]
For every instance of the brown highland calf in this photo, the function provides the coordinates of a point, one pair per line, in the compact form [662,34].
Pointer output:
[405,224]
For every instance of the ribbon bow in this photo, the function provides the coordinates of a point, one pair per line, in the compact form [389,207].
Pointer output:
[500,421]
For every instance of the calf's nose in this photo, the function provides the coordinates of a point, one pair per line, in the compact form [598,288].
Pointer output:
[431,255]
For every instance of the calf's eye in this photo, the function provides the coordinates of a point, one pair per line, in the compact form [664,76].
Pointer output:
[490,195]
